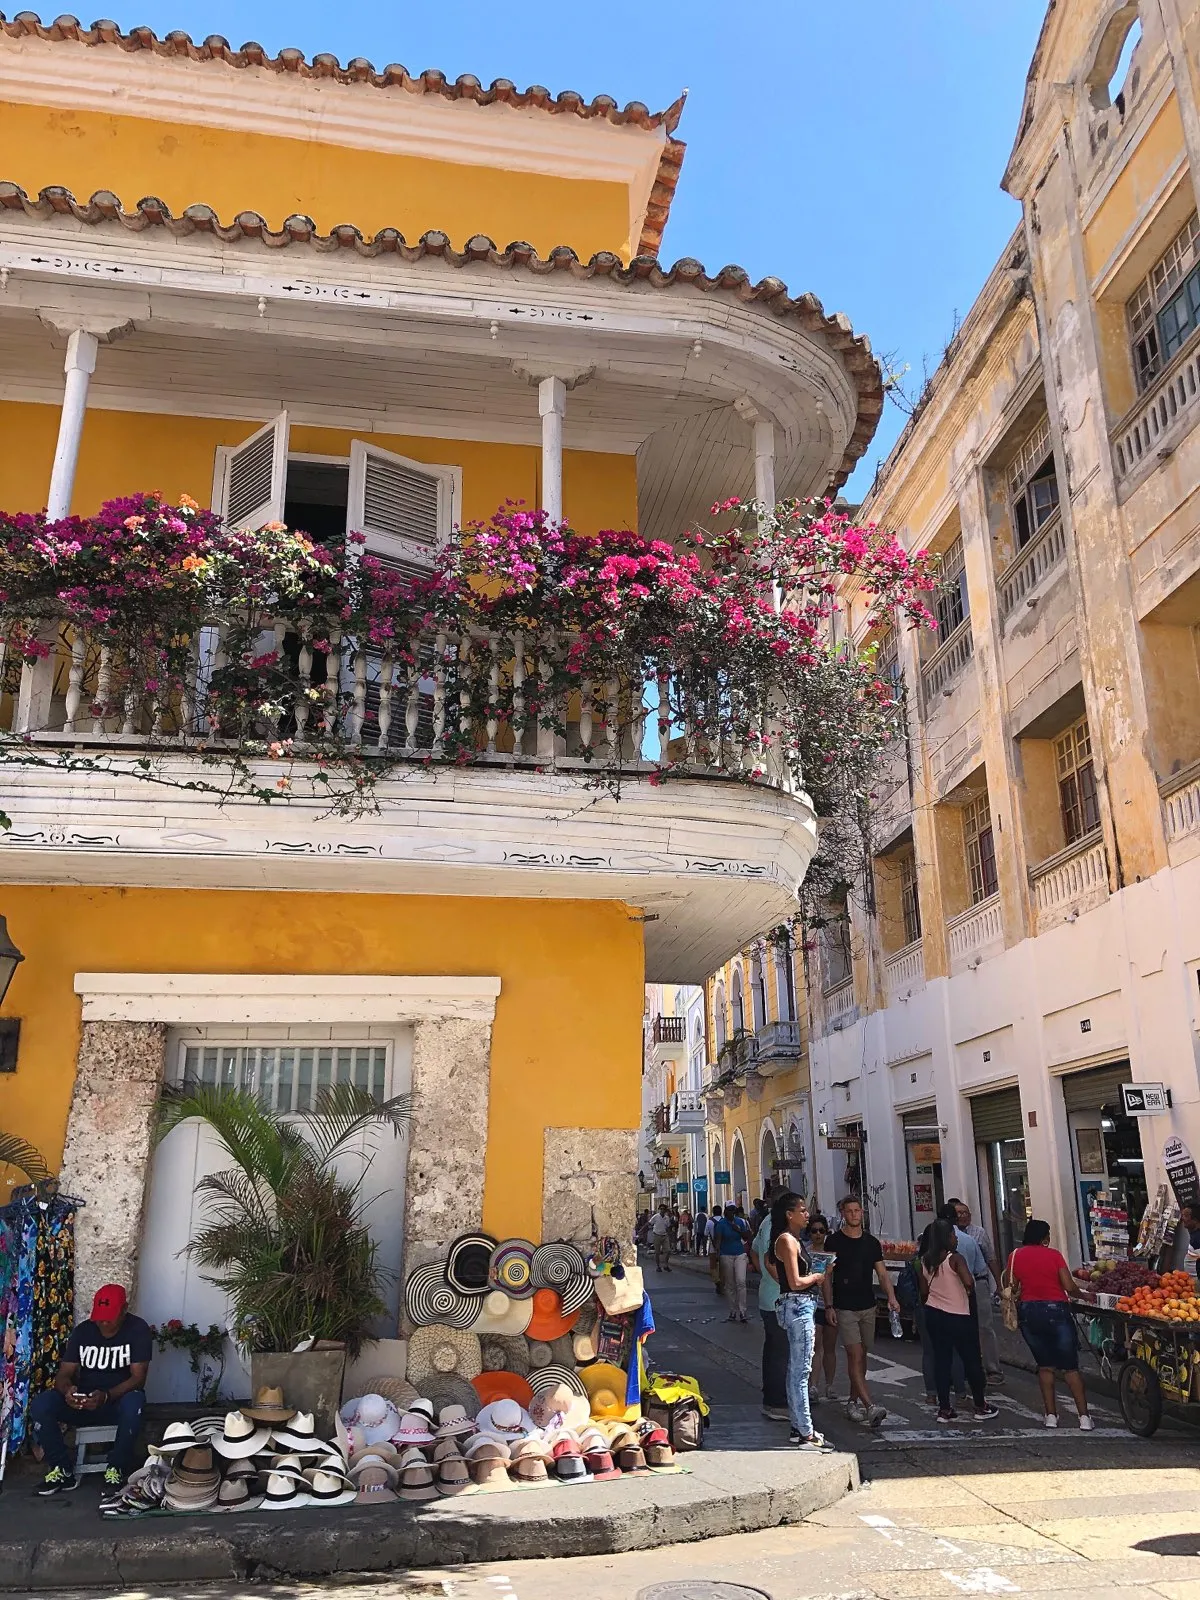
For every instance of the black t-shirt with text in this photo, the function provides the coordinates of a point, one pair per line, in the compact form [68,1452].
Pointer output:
[104,1363]
[854,1270]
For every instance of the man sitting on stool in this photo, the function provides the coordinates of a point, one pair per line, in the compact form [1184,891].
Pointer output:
[101,1383]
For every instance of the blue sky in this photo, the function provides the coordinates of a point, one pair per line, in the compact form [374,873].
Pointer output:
[853,149]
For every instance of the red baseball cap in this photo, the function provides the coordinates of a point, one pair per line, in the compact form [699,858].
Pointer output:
[110,1303]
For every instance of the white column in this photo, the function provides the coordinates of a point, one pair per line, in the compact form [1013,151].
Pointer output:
[79,366]
[764,463]
[552,403]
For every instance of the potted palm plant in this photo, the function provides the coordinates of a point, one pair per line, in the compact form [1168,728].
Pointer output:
[285,1235]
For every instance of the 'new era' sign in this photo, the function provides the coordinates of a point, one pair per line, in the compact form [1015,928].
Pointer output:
[1145,1099]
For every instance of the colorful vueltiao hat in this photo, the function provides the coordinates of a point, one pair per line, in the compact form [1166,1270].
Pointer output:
[428,1298]
[511,1267]
[469,1261]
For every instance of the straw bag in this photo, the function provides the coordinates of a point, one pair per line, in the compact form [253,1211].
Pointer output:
[618,1295]
[1010,1298]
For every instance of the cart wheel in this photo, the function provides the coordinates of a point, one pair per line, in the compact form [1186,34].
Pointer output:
[1141,1398]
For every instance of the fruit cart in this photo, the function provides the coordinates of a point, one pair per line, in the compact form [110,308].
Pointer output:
[1148,1341]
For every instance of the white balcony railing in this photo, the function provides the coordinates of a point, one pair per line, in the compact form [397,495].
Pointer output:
[905,970]
[948,661]
[1181,802]
[1071,882]
[685,1112]
[977,932]
[839,1003]
[776,1039]
[1039,557]
[1174,395]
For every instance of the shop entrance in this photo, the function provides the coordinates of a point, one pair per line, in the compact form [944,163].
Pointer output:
[1002,1166]
[923,1159]
[854,1180]
[1106,1146]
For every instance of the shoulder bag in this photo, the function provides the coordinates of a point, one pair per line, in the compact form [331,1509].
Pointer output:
[1010,1297]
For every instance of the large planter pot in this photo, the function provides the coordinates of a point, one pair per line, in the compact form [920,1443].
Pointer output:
[311,1380]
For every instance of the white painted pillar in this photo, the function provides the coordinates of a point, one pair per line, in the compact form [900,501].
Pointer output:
[79,366]
[552,403]
[764,463]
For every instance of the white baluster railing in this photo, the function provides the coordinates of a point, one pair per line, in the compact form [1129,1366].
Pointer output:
[1073,881]
[1181,802]
[905,970]
[1040,556]
[977,932]
[1173,396]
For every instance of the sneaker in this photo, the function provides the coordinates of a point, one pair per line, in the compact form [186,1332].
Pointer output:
[815,1441]
[732,1317]
[830,1392]
[856,1411]
[776,1413]
[795,1437]
[57,1481]
[986,1412]
[876,1415]
[814,1399]
[742,1319]
[114,1487]
[947,1416]
[1086,1424]
[995,1380]
[1050,1420]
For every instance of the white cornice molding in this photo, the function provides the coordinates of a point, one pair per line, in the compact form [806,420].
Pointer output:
[389,121]
[300,1000]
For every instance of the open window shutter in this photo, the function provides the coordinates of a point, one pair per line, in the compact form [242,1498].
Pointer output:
[403,508]
[254,478]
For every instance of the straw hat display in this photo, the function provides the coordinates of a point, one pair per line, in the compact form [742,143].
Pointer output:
[398,1390]
[428,1298]
[449,1389]
[269,1407]
[512,1267]
[561,1266]
[506,1419]
[499,1353]
[605,1386]
[502,1314]
[559,1400]
[562,1351]
[439,1350]
[540,1354]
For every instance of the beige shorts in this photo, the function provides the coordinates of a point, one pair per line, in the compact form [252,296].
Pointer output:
[856,1328]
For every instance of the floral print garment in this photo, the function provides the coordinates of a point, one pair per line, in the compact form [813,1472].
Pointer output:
[25,1226]
[53,1293]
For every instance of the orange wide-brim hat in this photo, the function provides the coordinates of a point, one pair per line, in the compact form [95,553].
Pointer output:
[549,1320]
[491,1386]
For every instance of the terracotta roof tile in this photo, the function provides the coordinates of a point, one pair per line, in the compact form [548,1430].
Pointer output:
[854,350]
[27,24]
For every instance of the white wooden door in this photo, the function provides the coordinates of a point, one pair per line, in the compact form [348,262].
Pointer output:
[287,1071]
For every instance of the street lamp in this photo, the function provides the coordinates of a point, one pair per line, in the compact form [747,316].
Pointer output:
[10,959]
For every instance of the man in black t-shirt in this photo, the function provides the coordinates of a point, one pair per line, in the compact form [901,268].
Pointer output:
[101,1382]
[850,1302]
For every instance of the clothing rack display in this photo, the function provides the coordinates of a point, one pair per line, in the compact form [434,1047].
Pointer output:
[37,1294]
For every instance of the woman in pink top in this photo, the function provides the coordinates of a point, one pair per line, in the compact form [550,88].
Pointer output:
[946,1286]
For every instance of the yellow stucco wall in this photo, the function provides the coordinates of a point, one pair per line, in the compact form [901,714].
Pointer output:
[1138,184]
[552,956]
[232,171]
[123,452]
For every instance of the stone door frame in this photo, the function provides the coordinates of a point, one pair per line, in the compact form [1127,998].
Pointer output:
[122,1061]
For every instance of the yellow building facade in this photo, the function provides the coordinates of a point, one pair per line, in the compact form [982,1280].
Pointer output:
[319,318]
[1030,937]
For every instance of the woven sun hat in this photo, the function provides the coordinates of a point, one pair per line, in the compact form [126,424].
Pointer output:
[377,1417]
[448,1389]
[562,1351]
[549,1320]
[454,1423]
[414,1429]
[489,1445]
[605,1386]
[561,1266]
[285,1490]
[540,1354]
[375,1461]
[507,1419]
[300,1434]
[424,1408]
[501,1354]
[240,1436]
[398,1390]
[438,1350]
[428,1298]
[560,1406]
[584,1346]
[503,1315]
[180,1436]
[468,1262]
[547,1379]
[237,1494]
[511,1268]
[327,1486]
[491,1386]
[269,1407]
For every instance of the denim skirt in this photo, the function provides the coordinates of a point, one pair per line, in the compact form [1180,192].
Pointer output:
[1048,1328]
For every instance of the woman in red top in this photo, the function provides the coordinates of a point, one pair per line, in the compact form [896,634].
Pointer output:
[1045,1282]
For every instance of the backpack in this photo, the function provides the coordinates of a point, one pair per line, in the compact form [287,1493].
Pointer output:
[908,1287]
[676,1402]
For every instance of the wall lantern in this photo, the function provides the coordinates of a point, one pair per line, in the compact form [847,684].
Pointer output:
[10,959]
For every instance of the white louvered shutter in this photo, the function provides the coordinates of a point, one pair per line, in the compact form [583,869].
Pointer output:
[405,509]
[252,477]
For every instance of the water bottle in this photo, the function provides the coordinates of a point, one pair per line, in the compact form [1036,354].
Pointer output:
[896,1326]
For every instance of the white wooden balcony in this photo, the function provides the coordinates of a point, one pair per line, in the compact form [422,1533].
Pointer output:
[948,661]
[975,934]
[1149,431]
[1181,805]
[779,1047]
[685,1112]
[904,972]
[1039,557]
[1071,882]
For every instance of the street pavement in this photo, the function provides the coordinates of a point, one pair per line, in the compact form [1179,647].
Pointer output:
[1003,1508]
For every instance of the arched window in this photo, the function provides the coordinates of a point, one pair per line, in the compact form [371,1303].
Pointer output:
[697,1074]
[717,1165]
[741,1192]
[785,998]
[797,1160]
[739,1004]
[1111,82]
[768,1155]
[720,1027]
[758,992]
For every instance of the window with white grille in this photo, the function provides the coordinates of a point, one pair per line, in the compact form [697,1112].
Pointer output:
[980,848]
[1164,310]
[1033,485]
[285,1076]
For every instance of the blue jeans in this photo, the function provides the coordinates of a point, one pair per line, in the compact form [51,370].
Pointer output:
[1049,1331]
[49,1411]
[797,1318]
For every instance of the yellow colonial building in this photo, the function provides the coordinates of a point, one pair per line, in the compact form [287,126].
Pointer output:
[289,289]
[1029,937]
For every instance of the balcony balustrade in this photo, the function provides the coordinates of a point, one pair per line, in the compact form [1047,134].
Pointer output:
[686,1112]
[670,1030]
[977,932]
[1040,556]
[839,1004]
[1172,399]
[777,1043]
[1071,882]
[1181,802]
[948,661]
[905,971]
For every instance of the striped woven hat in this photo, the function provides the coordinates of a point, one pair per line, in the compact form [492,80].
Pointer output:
[543,1379]
[428,1298]
[554,1265]
[504,1353]
[468,1262]
[511,1268]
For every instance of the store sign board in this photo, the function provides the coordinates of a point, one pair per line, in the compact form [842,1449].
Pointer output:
[722,1177]
[1145,1099]
[926,1155]
[700,1185]
[1181,1170]
[681,1188]
[844,1142]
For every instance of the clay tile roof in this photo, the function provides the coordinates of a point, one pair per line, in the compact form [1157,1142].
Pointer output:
[854,350]
[27,24]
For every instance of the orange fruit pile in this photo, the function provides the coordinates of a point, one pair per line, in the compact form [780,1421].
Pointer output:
[1174,1300]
